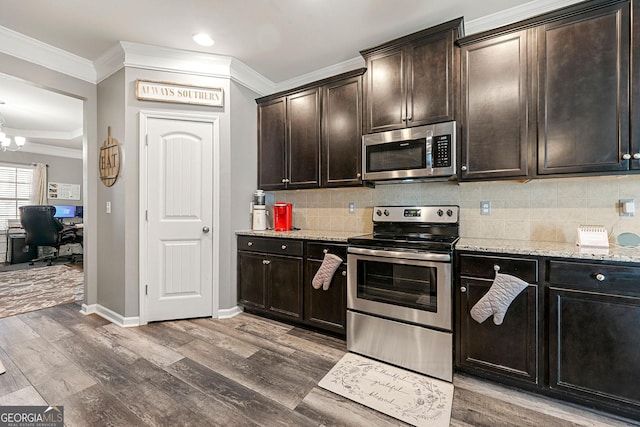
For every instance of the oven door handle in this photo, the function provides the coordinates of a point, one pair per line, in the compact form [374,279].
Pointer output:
[421,256]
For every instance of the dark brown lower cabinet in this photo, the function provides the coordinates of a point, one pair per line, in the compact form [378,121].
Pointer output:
[275,275]
[270,282]
[325,309]
[594,343]
[510,351]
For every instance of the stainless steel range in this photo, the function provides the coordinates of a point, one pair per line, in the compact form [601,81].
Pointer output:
[399,288]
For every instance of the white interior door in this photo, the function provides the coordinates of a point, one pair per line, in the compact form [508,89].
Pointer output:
[180,218]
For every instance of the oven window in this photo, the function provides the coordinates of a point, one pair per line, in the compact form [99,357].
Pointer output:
[398,284]
[404,155]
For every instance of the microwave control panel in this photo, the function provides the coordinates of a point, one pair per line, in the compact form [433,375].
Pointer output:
[441,150]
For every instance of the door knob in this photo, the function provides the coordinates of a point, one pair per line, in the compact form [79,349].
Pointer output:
[205,229]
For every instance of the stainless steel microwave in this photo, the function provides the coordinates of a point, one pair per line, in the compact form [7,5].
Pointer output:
[410,154]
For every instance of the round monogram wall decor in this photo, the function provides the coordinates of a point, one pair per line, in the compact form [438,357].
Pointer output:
[109,162]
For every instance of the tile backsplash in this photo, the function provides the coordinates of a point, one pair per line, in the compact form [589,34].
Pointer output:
[539,210]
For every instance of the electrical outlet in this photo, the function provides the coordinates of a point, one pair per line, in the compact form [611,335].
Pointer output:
[627,207]
[352,207]
[108,207]
[485,207]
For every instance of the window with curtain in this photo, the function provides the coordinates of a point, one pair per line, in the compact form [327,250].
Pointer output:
[15,190]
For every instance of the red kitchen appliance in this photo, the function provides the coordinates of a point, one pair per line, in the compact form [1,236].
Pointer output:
[282,216]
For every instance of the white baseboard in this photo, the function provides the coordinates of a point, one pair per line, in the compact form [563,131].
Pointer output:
[110,315]
[229,312]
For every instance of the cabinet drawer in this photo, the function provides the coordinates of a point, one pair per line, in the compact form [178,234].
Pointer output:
[595,276]
[275,246]
[481,266]
[317,250]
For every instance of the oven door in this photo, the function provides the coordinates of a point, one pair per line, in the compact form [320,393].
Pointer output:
[414,287]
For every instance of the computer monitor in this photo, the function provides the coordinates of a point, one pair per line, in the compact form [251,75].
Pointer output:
[79,211]
[65,211]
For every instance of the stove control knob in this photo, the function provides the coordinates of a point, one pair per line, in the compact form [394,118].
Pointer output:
[440,212]
[386,212]
[379,212]
[449,212]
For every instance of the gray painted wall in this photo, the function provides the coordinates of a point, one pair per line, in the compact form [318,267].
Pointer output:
[85,91]
[244,161]
[61,169]
[111,227]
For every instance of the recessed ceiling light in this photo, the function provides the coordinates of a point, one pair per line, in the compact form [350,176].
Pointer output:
[203,39]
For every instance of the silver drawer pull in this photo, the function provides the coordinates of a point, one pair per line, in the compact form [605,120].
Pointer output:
[463,289]
[496,267]
[284,247]
[249,243]
[344,273]
[325,251]
[600,277]
[266,262]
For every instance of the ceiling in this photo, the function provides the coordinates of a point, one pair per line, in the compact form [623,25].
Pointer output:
[279,39]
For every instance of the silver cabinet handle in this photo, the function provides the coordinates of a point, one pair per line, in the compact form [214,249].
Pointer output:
[358,175]
[496,267]
[205,229]
[344,273]
[284,180]
[284,247]
[463,167]
[463,289]
[600,277]
[325,251]
[626,156]
[266,262]
[636,156]
[409,117]
[249,243]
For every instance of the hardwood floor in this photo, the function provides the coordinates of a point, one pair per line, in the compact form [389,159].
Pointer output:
[244,371]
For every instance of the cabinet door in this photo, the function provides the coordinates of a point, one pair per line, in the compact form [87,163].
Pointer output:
[430,80]
[326,309]
[251,280]
[509,350]
[583,118]
[303,136]
[342,133]
[496,120]
[285,286]
[385,93]
[271,145]
[593,348]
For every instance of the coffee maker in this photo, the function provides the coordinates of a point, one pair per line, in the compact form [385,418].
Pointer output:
[282,216]
[259,211]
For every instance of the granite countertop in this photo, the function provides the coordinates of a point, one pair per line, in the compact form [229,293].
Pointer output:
[330,236]
[550,249]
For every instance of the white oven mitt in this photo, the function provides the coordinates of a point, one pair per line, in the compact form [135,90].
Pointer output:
[503,291]
[323,277]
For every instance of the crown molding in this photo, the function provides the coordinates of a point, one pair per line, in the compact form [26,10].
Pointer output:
[323,73]
[34,51]
[514,14]
[45,134]
[159,58]
[51,150]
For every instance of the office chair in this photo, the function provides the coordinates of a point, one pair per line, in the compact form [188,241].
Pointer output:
[43,229]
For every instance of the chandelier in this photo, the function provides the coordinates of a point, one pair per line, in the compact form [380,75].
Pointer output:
[8,144]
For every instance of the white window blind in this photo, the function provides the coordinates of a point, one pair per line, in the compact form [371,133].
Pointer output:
[15,191]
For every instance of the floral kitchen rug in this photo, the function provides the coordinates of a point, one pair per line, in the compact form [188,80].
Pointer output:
[405,395]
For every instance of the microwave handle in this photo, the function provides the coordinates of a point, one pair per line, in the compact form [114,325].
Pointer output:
[429,153]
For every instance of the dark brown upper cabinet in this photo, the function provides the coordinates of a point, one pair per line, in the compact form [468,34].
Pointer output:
[412,81]
[289,141]
[635,86]
[310,137]
[342,132]
[583,101]
[497,126]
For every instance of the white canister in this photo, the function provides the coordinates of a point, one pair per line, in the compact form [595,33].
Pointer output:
[259,217]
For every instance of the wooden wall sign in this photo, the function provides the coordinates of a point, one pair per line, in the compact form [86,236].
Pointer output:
[109,163]
[180,94]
